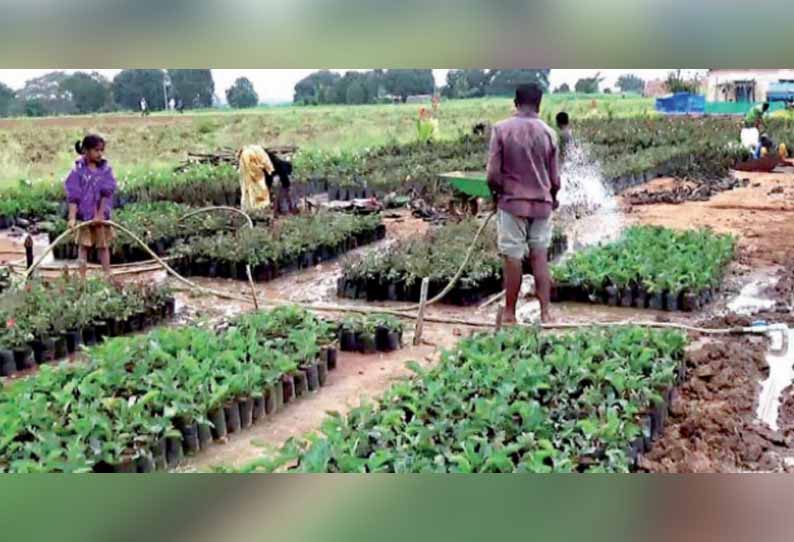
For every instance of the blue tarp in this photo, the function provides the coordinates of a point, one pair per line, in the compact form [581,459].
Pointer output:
[682,103]
[782,91]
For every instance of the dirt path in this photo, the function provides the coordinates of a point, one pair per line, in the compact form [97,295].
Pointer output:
[358,378]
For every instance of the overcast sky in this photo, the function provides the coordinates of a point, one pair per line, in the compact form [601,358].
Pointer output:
[277,85]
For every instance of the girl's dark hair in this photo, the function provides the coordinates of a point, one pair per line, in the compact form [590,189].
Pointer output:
[562,118]
[91,141]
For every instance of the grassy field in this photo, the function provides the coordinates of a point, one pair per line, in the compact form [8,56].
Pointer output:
[42,149]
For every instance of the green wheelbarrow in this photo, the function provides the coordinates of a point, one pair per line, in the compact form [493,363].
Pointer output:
[470,183]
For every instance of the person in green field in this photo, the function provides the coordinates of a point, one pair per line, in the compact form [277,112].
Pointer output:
[426,126]
[755,117]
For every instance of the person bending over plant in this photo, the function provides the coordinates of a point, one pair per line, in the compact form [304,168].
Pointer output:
[523,176]
[89,190]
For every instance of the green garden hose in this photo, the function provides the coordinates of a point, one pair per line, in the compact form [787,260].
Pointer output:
[454,280]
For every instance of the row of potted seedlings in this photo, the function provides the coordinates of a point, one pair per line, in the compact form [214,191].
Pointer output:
[159,225]
[396,273]
[198,186]
[296,242]
[648,267]
[144,403]
[514,401]
[369,334]
[45,322]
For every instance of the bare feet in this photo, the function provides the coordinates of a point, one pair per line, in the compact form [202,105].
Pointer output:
[547,317]
[507,321]
[505,318]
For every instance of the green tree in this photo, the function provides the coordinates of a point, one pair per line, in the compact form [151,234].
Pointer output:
[89,91]
[630,83]
[48,95]
[356,93]
[129,86]
[404,83]
[316,88]
[466,83]
[374,85]
[242,94]
[192,86]
[677,82]
[562,89]
[589,85]
[7,97]
[35,108]
[504,82]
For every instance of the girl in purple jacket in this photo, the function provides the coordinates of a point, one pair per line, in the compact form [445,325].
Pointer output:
[89,190]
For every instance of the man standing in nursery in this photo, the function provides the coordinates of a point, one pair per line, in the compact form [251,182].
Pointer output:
[523,176]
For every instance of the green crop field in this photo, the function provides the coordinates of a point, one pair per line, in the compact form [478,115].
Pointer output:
[36,149]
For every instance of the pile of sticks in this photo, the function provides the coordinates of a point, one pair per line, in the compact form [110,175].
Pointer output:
[228,155]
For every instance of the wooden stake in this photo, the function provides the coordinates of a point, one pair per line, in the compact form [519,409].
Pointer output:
[420,316]
[499,315]
[29,252]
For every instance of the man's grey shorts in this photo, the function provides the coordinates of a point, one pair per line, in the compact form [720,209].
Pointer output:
[517,235]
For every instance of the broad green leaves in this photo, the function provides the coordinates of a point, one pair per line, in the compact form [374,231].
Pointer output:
[133,390]
[509,402]
[658,259]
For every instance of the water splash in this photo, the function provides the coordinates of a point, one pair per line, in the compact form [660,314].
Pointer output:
[586,196]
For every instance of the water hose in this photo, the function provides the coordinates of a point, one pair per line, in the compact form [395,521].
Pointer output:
[155,257]
[763,329]
[454,280]
[233,210]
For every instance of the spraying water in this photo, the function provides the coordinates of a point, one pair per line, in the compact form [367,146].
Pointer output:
[586,196]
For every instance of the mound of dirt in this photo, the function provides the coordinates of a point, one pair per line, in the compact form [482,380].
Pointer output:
[683,191]
[713,426]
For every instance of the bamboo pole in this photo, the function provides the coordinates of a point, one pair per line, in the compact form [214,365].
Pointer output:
[461,269]
[250,225]
[420,317]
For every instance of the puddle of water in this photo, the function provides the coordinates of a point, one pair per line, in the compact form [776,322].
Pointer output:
[781,375]
[750,299]
[12,247]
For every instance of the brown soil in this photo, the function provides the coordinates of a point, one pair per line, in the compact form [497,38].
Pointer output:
[758,214]
[713,427]
[357,378]
[675,191]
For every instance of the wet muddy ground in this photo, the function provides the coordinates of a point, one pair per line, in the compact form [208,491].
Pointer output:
[714,425]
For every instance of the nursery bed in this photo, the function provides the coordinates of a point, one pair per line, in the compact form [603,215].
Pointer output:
[510,402]
[395,275]
[649,267]
[48,321]
[141,404]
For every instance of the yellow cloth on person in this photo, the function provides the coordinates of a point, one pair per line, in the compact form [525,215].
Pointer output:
[254,163]
[427,130]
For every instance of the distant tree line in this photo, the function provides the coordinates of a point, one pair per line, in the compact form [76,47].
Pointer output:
[61,93]
[367,87]
[379,86]
[628,82]
[475,83]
